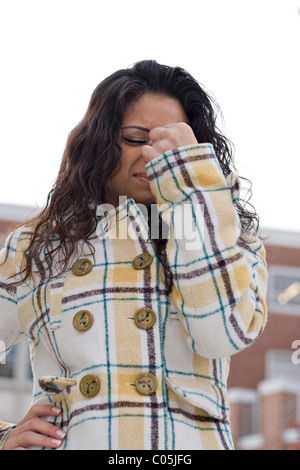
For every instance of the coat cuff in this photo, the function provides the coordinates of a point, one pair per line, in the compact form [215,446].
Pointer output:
[176,173]
[5,429]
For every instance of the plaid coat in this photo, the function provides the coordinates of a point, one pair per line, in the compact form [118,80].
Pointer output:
[92,369]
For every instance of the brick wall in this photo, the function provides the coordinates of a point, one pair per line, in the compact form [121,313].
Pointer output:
[278,403]
[277,411]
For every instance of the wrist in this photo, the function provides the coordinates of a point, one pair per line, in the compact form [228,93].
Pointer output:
[168,173]
[4,435]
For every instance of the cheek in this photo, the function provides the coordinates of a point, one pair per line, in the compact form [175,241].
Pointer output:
[121,177]
[129,157]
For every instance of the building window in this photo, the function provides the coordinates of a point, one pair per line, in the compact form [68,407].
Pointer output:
[17,365]
[279,364]
[284,289]
[15,383]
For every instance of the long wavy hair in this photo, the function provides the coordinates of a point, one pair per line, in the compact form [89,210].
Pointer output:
[92,157]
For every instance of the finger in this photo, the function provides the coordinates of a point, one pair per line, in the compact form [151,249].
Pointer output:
[168,130]
[149,152]
[30,438]
[161,146]
[158,133]
[35,433]
[43,427]
[40,410]
[44,410]
[173,124]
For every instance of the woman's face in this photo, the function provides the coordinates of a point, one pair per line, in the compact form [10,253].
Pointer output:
[149,112]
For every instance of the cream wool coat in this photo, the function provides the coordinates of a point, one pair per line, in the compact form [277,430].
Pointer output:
[215,309]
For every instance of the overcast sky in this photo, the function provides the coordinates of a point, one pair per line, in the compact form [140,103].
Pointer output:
[54,53]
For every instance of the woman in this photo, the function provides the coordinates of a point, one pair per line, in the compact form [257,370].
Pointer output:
[131,328]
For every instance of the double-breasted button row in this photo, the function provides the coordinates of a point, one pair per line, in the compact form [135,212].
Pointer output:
[83,320]
[145,384]
[144,318]
[83,266]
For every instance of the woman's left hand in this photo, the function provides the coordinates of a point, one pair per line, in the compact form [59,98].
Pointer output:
[168,137]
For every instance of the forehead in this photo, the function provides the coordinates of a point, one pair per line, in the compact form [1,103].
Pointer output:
[152,111]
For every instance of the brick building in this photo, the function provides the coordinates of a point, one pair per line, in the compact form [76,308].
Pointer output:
[264,383]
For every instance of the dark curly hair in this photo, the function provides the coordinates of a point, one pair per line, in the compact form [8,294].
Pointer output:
[92,156]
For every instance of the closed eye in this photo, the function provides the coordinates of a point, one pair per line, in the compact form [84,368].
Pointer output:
[134,141]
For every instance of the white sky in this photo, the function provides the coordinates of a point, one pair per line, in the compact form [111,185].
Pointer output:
[55,52]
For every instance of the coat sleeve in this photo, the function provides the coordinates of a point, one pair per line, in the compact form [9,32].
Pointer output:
[220,279]
[10,326]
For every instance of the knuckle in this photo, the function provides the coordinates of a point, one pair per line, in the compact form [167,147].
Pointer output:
[31,413]
[184,125]
[34,422]
[34,408]
[36,405]
[163,146]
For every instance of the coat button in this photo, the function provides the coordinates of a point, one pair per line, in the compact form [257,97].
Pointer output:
[142,261]
[145,318]
[83,320]
[89,386]
[146,384]
[82,267]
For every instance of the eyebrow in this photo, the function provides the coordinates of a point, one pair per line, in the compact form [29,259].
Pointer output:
[136,127]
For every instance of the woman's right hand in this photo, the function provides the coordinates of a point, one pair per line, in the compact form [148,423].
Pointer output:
[34,431]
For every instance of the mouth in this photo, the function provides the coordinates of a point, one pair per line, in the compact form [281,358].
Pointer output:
[142,176]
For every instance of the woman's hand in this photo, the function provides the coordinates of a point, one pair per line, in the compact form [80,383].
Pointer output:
[34,431]
[168,137]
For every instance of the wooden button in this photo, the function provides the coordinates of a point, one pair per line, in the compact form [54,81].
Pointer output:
[145,318]
[89,386]
[146,384]
[83,320]
[82,267]
[142,261]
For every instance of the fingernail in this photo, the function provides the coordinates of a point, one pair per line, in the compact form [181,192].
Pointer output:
[56,442]
[60,433]
[56,410]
